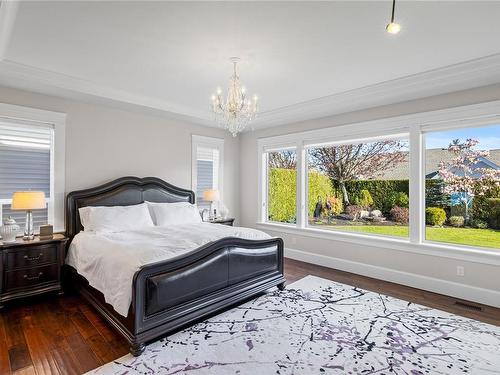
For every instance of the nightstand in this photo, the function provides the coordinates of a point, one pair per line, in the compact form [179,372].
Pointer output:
[227,221]
[28,268]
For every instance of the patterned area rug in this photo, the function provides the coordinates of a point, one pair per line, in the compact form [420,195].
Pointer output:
[317,326]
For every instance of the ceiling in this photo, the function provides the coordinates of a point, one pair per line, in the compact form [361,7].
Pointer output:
[303,59]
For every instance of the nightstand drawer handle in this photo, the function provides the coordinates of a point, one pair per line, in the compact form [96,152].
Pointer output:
[33,258]
[33,277]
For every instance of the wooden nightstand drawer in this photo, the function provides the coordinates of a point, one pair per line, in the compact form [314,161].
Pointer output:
[30,277]
[32,256]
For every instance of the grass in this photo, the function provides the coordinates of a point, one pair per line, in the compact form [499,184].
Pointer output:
[461,236]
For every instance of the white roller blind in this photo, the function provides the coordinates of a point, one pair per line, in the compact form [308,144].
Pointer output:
[25,164]
[207,163]
[25,158]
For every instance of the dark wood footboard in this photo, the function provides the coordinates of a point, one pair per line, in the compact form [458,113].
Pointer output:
[170,294]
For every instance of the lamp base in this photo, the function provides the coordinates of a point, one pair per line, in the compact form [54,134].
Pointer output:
[29,234]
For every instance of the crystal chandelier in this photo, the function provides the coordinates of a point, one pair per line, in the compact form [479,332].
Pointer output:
[236,110]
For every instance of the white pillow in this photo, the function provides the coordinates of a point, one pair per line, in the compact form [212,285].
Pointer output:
[167,214]
[115,218]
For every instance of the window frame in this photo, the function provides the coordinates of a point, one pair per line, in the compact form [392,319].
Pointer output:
[57,120]
[207,142]
[413,127]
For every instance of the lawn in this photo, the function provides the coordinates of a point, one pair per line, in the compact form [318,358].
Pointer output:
[463,236]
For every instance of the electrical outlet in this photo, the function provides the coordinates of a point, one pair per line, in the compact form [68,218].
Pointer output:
[460,271]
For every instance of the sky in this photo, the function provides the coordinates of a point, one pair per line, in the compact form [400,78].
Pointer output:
[488,137]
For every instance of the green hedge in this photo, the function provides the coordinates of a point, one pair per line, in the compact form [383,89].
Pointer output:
[494,217]
[380,190]
[282,193]
[319,186]
[484,206]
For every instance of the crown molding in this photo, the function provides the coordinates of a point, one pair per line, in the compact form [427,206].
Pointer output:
[466,75]
[31,78]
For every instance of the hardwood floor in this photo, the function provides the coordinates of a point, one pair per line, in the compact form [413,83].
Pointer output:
[63,335]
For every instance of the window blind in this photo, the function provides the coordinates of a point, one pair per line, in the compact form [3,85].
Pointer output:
[25,164]
[25,153]
[207,164]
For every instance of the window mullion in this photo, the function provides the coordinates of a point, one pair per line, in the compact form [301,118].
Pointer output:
[416,187]
[301,186]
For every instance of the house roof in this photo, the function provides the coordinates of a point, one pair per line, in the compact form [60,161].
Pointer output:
[432,159]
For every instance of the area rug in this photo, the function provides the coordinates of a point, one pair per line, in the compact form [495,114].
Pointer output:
[317,326]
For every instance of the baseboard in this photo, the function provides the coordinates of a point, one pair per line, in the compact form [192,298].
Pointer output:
[449,288]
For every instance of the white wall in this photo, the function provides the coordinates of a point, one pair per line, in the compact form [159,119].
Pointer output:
[424,271]
[104,143]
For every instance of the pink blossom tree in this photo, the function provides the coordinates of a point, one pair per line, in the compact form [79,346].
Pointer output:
[462,177]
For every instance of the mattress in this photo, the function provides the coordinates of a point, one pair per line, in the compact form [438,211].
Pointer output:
[109,260]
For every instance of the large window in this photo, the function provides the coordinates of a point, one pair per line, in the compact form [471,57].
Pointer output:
[430,179]
[26,152]
[359,187]
[281,185]
[462,179]
[207,168]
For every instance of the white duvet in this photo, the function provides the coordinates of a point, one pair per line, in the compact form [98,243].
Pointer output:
[109,260]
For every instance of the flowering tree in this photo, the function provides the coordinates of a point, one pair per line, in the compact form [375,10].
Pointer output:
[461,175]
[357,161]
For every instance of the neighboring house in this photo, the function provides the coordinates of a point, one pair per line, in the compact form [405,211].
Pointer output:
[432,159]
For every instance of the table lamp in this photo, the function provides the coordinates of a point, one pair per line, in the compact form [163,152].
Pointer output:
[28,201]
[211,195]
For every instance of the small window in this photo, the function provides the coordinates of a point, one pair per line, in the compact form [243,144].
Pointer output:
[26,154]
[207,168]
[282,186]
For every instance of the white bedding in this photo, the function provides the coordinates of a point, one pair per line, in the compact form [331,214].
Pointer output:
[109,260]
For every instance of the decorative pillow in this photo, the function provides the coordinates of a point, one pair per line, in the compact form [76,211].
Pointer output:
[167,214]
[115,218]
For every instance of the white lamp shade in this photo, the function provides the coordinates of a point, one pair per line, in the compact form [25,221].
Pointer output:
[211,195]
[28,200]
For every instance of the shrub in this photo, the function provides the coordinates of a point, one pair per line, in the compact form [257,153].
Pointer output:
[396,198]
[364,199]
[494,219]
[400,214]
[353,211]
[479,224]
[333,206]
[379,189]
[435,216]
[456,221]
[457,210]
[319,187]
[481,204]
[282,195]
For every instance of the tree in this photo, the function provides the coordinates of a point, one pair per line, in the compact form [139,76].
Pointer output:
[357,161]
[461,176]
[286,159]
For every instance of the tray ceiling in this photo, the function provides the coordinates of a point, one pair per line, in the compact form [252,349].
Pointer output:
[304,59]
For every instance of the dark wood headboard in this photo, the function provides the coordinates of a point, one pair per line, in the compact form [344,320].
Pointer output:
[124,191]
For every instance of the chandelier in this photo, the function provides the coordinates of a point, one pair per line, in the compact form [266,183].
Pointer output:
[235,111]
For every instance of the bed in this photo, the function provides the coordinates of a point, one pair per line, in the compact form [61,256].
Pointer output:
[169,294]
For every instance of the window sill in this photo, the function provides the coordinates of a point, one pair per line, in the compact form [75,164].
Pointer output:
[457,252]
